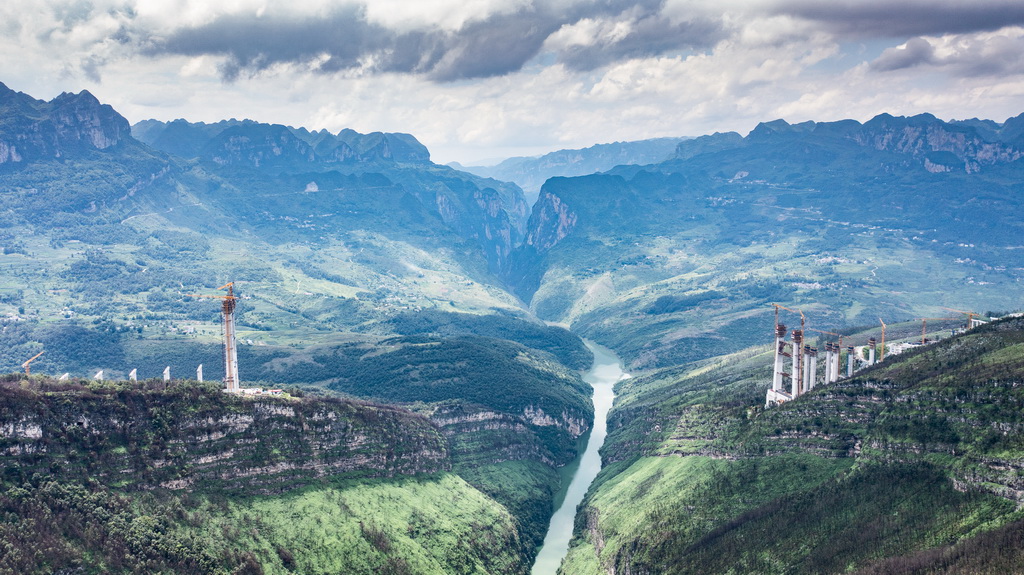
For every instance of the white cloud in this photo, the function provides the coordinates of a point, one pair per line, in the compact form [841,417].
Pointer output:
[767,60]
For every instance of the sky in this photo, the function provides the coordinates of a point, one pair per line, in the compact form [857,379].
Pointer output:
[480,80]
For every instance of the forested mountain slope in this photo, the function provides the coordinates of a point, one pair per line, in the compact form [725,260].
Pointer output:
[130,478]
[901,469]
[271,159]
[323,231]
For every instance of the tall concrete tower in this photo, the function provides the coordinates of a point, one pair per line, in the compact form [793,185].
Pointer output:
[836,351]
[851,357]
[828,363]
[872,346]
[810,367]
[780,357]
[230,344]
[797,377]
[228,303]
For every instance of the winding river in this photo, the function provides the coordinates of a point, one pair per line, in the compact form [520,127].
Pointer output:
[603,375]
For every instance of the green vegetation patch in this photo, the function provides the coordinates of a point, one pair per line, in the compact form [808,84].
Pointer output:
[794,514]
[436,524]
[432,524]
[634,513]
[526,488]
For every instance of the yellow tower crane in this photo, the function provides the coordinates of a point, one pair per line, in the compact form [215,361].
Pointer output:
[924,325]
[970,315]
[228,304]
[27,363]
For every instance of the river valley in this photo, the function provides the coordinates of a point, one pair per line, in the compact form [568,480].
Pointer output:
[603,375]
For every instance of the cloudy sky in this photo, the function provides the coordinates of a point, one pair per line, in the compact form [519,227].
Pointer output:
[487,79]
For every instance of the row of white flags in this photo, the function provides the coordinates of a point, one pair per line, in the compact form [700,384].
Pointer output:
[134,374]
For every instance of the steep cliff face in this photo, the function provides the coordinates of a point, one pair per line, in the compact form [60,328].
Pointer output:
[492,217]
[192,437]
[67,125]
[118,478]
[924,136]
[511,437]
[551,222]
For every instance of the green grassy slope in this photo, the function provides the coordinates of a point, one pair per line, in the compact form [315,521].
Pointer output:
[899,469]
[430,524]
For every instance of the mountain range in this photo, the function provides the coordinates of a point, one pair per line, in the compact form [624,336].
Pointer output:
[530,173]
[671,262]
[385,292]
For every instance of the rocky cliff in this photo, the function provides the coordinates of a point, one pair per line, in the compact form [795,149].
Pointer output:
[939,146]
[69,124]
[132,478]
[192,436]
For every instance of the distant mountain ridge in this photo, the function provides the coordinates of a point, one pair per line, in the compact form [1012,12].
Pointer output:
[488,212]
[530,173]
[941,146]
[230,141]
[841,216]
[371,212]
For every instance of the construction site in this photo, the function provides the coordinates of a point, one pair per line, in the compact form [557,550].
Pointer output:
[796,370]
[838,360]
[230,353]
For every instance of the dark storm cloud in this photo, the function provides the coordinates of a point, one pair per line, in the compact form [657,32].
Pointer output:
[905,19]
[492,47]
[916,52]
[497,45]
[651,35]
[255,43]
[994,55]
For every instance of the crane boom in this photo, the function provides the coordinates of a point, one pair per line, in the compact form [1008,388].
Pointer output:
[924,325]
[970,315]
[778,307]
[27,363]
[841,336]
